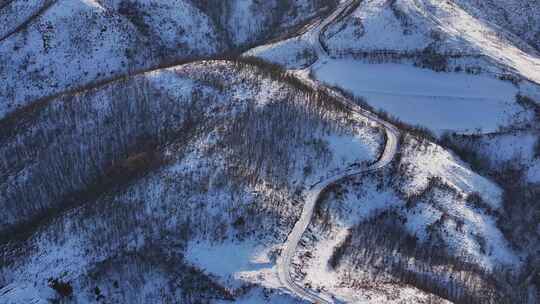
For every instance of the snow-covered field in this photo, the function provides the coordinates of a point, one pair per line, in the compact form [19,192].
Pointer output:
[233,261]
[439,101]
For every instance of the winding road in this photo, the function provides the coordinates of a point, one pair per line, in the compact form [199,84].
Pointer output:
[314,33]
[284,262]
[312,195]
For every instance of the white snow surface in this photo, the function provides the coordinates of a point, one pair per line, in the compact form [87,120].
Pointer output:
[376,28]
[234,262]
[438,162]
[484,37]
[439,101]
[458,31]
[15,13]
[293,53]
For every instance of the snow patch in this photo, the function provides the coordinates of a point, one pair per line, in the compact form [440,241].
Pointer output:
[439,101]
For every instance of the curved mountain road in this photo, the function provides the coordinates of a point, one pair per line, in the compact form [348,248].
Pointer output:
[312,195]
[316,31]
[314,35]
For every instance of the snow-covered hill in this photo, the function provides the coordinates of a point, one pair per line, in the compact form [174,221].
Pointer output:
[205,167]
[379,229]
[519,17]
[458,70]
[444,36]
[143,160]
[47,47]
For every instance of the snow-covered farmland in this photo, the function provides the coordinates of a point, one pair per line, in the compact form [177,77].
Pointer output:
[439,101]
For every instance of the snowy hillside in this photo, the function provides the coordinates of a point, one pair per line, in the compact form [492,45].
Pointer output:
[219,177]
[246,151]
[375,224]
[520,17]
[441,36]
[49,46]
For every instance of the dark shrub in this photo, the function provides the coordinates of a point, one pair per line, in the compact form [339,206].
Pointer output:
[239,222]
[537,148]
[64,289]
[431,59]
[529,104]
[475,200]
